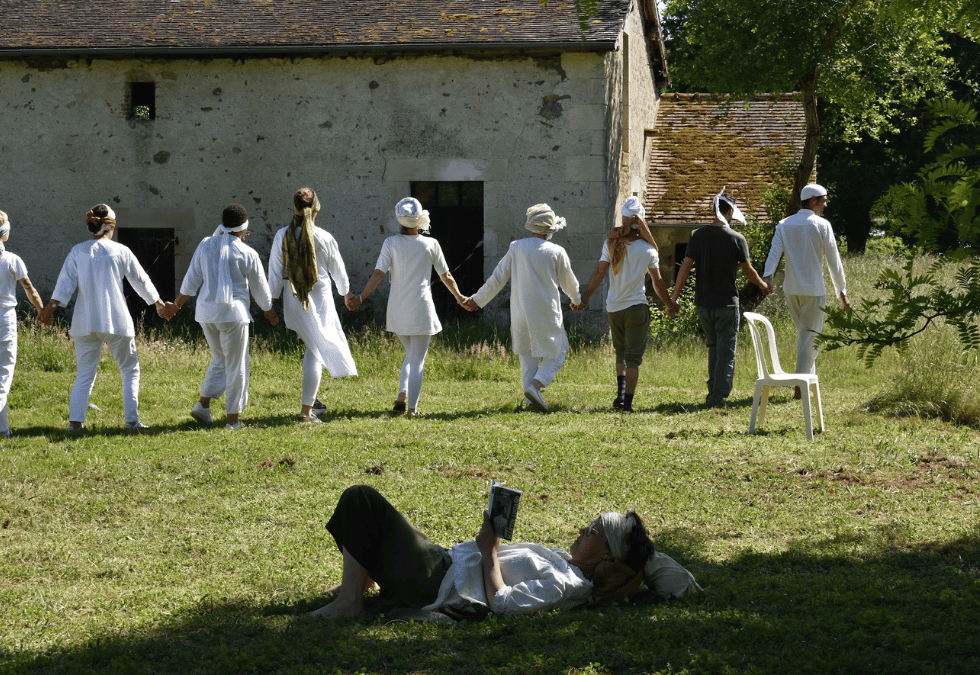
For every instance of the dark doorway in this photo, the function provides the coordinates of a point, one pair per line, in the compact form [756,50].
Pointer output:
[154,248]
[456,212]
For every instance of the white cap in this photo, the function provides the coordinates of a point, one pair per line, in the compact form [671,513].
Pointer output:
[812,190]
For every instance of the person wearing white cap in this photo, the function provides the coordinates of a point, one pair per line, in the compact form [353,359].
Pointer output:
[223,273]
[96,269]
[807,241]
[538,269]
[12,270]
[718,251]
[411,313]
[632,253]
[303,260]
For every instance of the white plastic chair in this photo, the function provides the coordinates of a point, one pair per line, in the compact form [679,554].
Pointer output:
[775,377]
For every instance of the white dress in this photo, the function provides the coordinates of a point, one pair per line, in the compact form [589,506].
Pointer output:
[537,268]
[318,325]
[410,259]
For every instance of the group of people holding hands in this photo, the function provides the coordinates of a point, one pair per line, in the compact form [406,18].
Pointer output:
[225,274]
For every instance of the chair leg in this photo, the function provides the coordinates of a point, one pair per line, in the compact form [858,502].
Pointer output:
[816,395]
[807,414]
[763,404]
[755,406]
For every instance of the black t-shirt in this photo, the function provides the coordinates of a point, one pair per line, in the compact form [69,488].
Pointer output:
[717,253]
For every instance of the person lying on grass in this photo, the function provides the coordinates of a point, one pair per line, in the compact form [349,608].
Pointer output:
[609,560]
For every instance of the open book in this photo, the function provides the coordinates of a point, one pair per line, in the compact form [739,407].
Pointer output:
[503,509]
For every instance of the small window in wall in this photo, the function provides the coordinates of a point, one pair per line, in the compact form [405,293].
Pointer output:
[155,248]
[456,211]
[142,101]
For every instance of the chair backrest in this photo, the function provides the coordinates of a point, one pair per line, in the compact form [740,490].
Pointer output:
[763,356]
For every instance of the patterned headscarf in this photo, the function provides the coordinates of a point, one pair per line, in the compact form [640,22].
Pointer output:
[298,249]
[542,220]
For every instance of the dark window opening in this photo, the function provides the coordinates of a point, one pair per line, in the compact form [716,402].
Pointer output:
[142,100]
[155,248]
[456,212]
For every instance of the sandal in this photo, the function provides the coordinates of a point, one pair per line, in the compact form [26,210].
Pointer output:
[308,419]
[399,406]
[416,413]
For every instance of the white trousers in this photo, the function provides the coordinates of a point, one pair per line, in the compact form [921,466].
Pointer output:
[807,312]
[543,370]
[312,376]
[413,367]
[228,371]
[8,359]
[88,351]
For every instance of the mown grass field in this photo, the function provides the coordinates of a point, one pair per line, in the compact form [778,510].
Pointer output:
[190,550]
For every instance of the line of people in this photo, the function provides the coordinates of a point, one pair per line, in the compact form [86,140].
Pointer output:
[225,273]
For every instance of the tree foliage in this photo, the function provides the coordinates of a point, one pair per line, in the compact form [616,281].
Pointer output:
[857,55]
[911,303]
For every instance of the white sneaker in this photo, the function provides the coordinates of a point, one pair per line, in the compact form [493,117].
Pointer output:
[135,426]
[201,414]
[537,401]
[233,427]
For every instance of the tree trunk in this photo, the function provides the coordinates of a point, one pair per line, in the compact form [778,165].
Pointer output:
[805,169]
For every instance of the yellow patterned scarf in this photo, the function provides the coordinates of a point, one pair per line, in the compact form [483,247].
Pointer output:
[299,253]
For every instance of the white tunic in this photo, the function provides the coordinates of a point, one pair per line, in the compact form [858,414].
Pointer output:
[410,259]
[806,240]
[627,288]
[247,276]
[318,325]
[538,269]
[12,270]
[536,578]
[96,268]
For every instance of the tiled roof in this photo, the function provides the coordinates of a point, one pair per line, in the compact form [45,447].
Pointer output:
[703,143]
[138,26]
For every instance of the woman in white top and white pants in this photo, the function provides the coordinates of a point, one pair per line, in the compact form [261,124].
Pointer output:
[12,270]
[96,269]
[303,260]
[411,312]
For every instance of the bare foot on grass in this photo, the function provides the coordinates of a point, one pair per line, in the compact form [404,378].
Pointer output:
[341,608]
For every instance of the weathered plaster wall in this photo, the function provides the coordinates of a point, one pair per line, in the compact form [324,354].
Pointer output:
[355,129]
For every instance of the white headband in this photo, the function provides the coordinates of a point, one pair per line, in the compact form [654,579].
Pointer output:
[542,220]
[634,207]
[105,226]
[736,213]
[410,214]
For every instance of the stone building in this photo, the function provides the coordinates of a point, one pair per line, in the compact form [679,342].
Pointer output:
[169,110]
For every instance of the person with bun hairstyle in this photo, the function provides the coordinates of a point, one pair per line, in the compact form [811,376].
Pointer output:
[305,258]
[12,270]
[96,269]
[222,273]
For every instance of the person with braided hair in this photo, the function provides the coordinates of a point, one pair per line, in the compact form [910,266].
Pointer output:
[306,257]
[96,269]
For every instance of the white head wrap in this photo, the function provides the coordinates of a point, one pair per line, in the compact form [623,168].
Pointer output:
[4,229]
[812,190]
[224,294]
[737,216]
[410,214]
[542,220]
[634,207]
[105,226]
[618,528]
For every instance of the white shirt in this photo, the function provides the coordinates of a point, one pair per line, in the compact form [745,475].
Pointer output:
[247,276]
[410,259]
[318,325]
[12,270]
[96,268]
[807,240]
[536,578]
[627,288]
[538,269]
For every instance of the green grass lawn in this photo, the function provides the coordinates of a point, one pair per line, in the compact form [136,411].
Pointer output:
[191,550]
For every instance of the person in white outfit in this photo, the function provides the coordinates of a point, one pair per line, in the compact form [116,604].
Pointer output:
[222,273]
[411,315]
[632,253]
[306,258]
[96,269]
[807,241]
[12,270]
[538,269]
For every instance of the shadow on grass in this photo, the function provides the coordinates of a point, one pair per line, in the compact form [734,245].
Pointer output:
[816,608]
